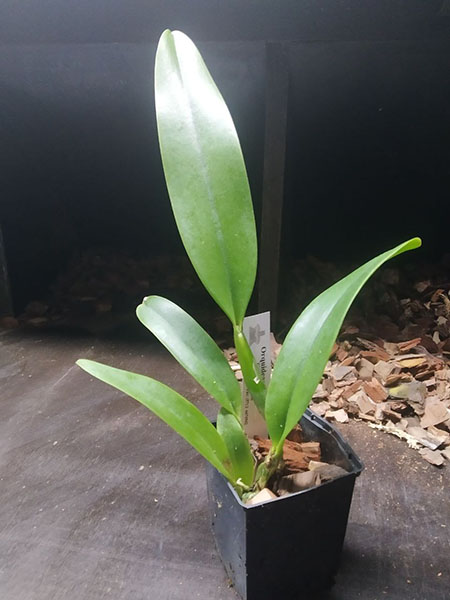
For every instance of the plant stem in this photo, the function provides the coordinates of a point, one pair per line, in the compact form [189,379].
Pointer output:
[250,371]
[272,463]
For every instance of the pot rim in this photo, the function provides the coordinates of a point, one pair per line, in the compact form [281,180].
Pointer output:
[356,463]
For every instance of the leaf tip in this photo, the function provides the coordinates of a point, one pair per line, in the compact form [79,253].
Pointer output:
[411,244]
[414,243]
[165,39]
[146,303]
[86,364]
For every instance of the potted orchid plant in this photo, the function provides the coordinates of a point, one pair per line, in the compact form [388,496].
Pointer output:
[210,196]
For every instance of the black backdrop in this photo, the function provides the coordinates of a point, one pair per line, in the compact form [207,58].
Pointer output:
[368,137]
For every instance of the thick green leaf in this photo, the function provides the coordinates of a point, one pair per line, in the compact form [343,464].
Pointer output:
[308,344]
[205,174]
[172,408]
[193,348]
[238,446]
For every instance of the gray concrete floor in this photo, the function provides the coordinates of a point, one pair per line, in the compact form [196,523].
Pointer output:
[100,500]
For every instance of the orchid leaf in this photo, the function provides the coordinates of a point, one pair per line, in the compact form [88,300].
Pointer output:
[180,414]
[205,174]
[250,371]
[307,347]
[238,446]
[193,348]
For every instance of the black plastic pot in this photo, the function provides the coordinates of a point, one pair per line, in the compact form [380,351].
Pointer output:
[290,547]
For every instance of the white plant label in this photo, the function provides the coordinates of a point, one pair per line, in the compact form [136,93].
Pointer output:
[256,329]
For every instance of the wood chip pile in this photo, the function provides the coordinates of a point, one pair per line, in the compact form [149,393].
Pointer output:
[100,280]
[401,387]
[101,287]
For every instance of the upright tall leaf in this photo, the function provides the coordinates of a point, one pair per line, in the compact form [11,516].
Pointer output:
[172,408]
[193,348]
[205,174]
[308,344]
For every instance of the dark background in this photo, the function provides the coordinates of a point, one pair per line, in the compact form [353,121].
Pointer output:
[368,127]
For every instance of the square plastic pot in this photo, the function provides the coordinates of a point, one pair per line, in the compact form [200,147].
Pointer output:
[290,547]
